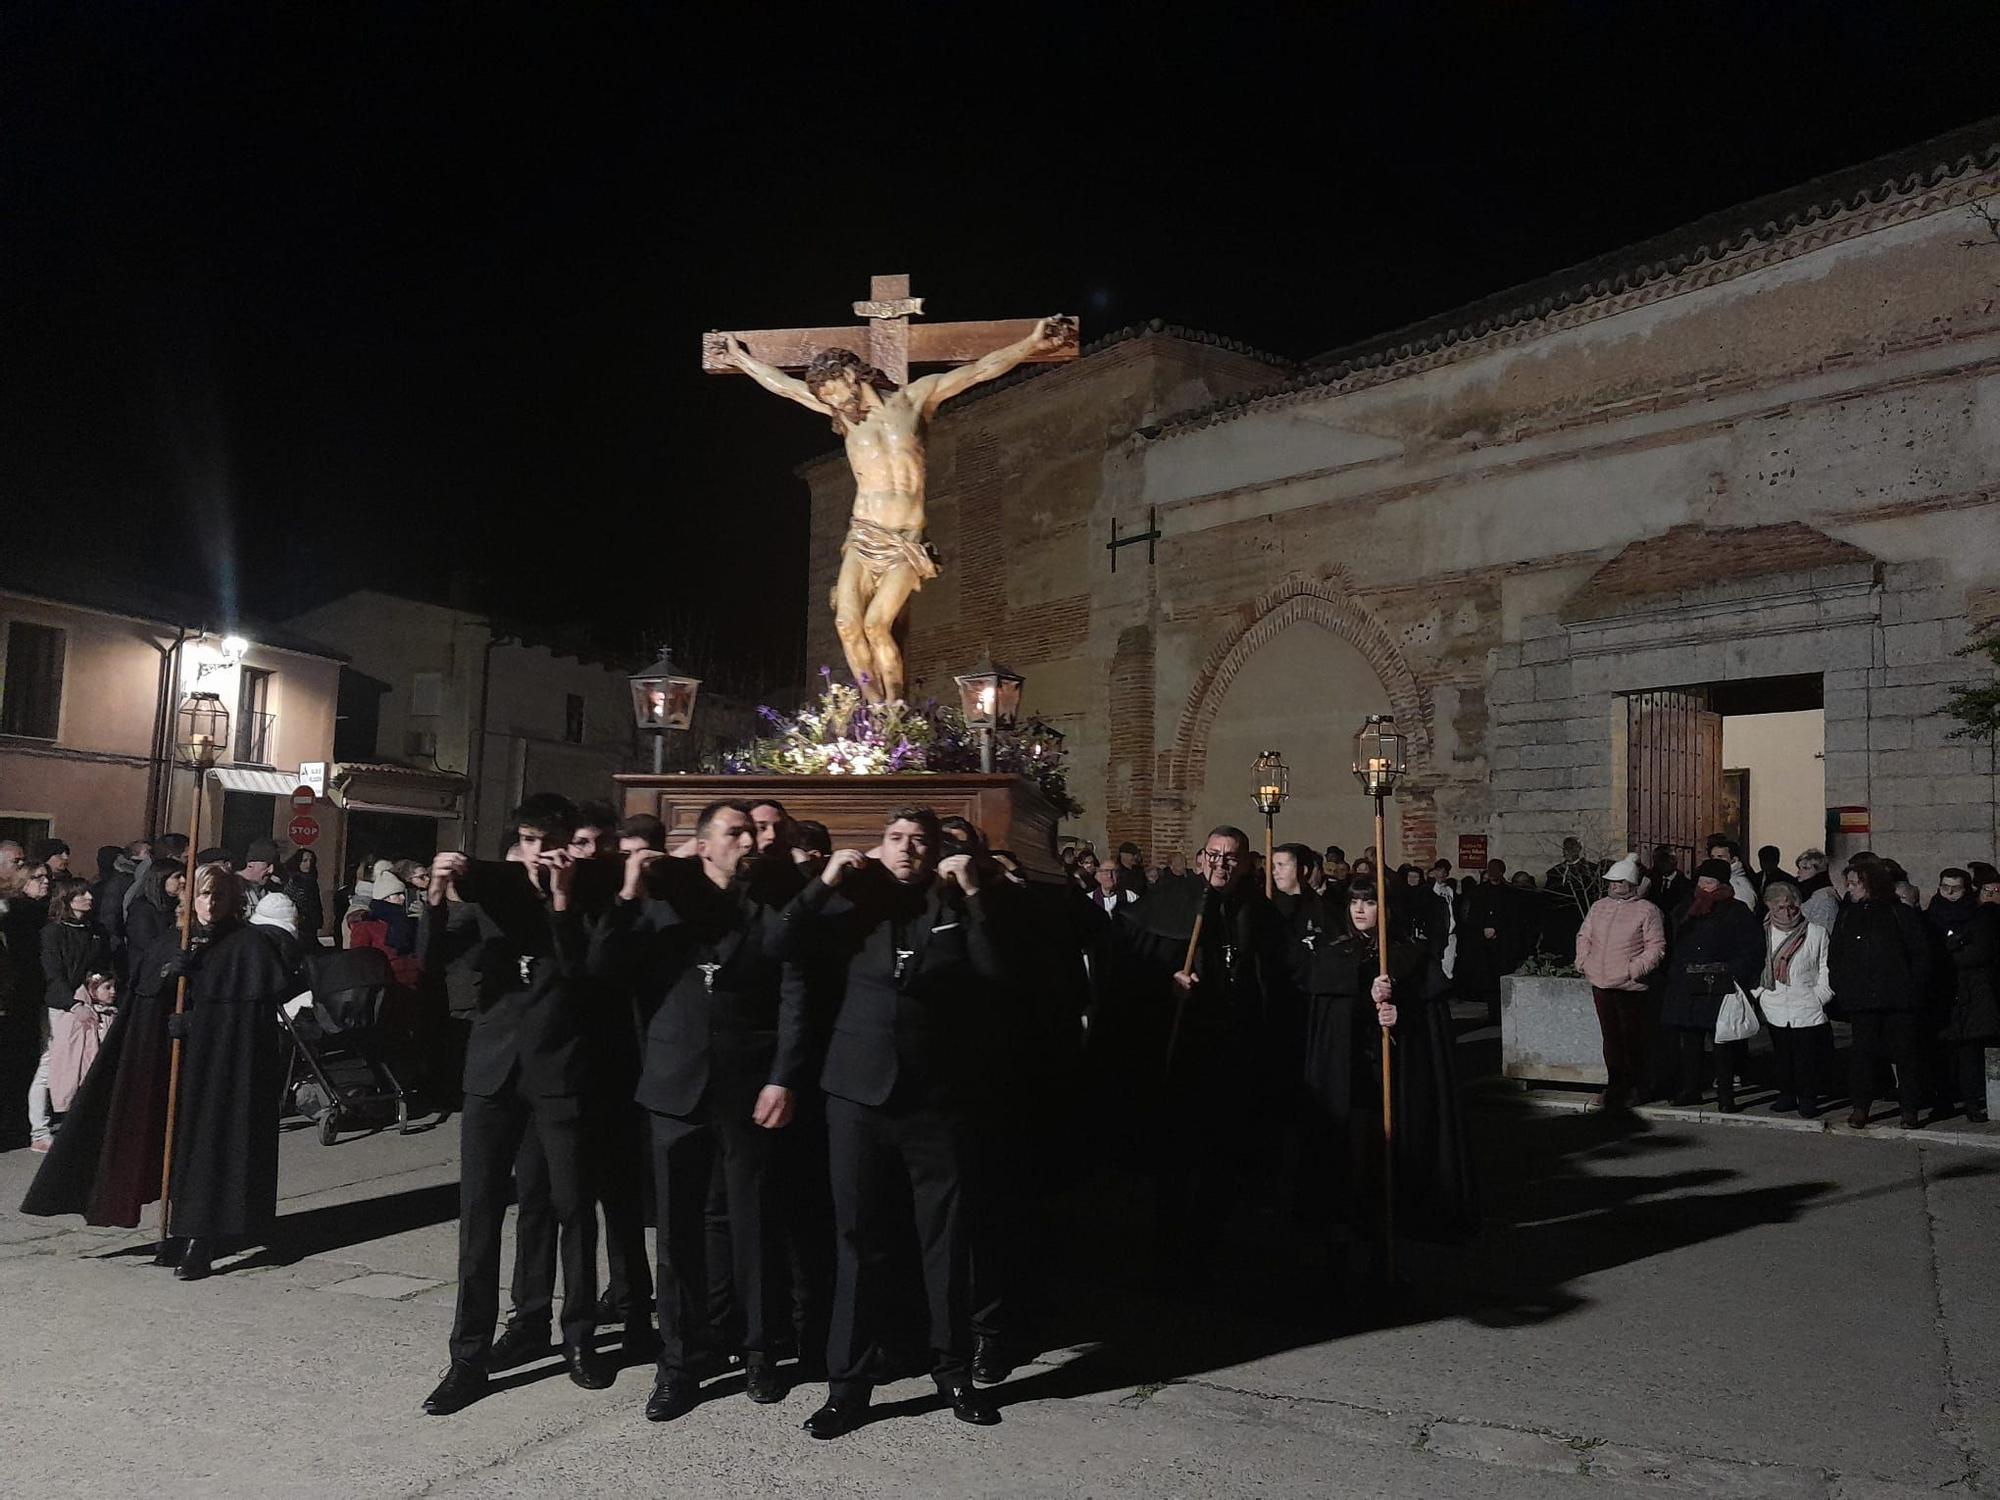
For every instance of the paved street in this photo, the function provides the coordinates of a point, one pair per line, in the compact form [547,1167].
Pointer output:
[1679,1308]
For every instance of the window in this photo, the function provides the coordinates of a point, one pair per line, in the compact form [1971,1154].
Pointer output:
[25,831]
[254,722]
[31,697]
[573,718]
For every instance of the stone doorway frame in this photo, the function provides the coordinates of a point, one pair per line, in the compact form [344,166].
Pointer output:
[1182,770]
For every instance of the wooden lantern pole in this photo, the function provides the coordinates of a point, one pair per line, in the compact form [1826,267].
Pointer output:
[1180,1005]
[1269,819]
[1388,1098]
[180,1007]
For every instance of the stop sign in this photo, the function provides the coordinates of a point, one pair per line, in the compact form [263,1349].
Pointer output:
[303,830]
[302,799]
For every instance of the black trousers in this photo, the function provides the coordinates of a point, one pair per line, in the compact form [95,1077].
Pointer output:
[802,1162]
[1969,1061]
[490,1131]
[875,1153]
[687,1153]
[1880,1035]
[1728,1063]
[616,1132]
[1802,1057]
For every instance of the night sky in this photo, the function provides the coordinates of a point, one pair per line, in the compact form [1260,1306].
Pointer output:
[303,297]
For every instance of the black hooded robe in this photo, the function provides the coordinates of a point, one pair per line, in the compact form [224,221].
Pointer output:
[1436,1197]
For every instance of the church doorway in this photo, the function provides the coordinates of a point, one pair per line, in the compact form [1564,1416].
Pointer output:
[1743,758]
[1303,693]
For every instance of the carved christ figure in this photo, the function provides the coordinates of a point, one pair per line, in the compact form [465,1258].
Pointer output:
[885,558]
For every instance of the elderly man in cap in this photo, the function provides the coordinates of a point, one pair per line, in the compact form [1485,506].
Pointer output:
[1622,941]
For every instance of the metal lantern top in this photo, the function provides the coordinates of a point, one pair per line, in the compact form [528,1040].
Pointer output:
[1271,782]
[1381,755]
[201,730]
[663,698]
[990,696]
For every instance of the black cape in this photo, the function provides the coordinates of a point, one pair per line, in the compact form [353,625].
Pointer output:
[1436,1196]
[105,1163]
[225,1180]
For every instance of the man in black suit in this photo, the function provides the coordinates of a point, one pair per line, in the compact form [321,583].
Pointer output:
[903,1064]
[725,1050]
[1669,889]
[527,1066]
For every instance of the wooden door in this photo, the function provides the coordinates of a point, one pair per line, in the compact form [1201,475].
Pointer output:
[1673,772]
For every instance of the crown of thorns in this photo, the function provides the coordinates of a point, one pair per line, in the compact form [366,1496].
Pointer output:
[829,363]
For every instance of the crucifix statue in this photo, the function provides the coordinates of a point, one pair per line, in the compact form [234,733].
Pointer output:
[859,377]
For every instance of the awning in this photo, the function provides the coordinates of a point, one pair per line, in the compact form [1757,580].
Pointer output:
[262,783]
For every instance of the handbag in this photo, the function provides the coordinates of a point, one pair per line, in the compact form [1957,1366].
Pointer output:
[1736,1021]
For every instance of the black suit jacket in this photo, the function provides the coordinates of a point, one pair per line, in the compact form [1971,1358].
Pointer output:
[728,1012]
[531,1011]
[919,963]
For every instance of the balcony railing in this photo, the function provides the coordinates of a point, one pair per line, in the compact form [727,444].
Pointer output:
[256,735]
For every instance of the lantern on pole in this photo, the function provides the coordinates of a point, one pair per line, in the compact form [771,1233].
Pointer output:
[201,733]
[663,702]
[989,696]
[1271,782]
[1381,756]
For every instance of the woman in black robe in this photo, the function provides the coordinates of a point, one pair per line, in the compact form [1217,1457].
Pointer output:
[105,1162]
[225,1177]
[1347,1007]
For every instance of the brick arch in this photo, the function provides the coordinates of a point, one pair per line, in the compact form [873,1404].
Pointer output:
[1183,769]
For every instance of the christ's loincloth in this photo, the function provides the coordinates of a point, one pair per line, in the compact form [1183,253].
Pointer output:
[882,548]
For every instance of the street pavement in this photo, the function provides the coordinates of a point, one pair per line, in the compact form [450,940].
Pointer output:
[1657,1307]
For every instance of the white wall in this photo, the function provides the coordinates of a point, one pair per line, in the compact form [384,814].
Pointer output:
[1783,754]
[1304,694]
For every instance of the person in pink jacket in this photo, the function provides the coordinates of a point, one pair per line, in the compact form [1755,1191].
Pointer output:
[1622,940]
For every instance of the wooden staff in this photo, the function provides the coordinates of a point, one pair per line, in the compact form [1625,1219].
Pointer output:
[180,1008]
[1180,1005]
[1388,1104]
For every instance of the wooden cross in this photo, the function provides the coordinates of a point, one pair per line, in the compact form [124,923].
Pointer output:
[888,340]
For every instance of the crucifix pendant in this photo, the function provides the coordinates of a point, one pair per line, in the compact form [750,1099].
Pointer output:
[527,964]
[708,976]
[903,957]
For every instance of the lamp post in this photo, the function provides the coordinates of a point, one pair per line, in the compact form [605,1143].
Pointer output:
[663,701]
[990,698]
[1381,756]
[1272,781]
[201,730]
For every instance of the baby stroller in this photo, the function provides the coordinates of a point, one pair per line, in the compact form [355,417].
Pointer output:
[340,1073]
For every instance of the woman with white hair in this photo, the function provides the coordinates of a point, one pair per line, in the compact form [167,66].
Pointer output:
[1793,992]
[1622,941]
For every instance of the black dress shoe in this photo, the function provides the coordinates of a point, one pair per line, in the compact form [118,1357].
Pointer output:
[837,1418]
[990,1364]
[762,1383]
[968,1405]
[1911,1121]
[462,1385]
[673,1396]
[170,1252]
[586,1368]
[197,1261]
[518,1344]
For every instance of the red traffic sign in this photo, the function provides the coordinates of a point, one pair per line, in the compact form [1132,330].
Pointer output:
[304,830]
[302,798]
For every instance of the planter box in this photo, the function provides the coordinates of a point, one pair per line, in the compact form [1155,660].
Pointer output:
[1549,1032]
[1008,809]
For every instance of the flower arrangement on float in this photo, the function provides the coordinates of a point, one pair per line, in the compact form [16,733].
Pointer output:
[840,733]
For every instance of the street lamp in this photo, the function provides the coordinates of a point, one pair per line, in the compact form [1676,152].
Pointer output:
[990,698]
[663,700]
[1271,784]
[201,730]
[1381,756]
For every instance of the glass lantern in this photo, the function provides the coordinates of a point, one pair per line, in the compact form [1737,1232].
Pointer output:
[990,696]
[1271,783]
[1381,755]
[201,730]
[662,698]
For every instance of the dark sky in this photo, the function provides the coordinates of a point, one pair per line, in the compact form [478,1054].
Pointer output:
[299,297]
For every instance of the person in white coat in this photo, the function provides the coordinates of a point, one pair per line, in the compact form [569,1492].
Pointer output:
[1793,993]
